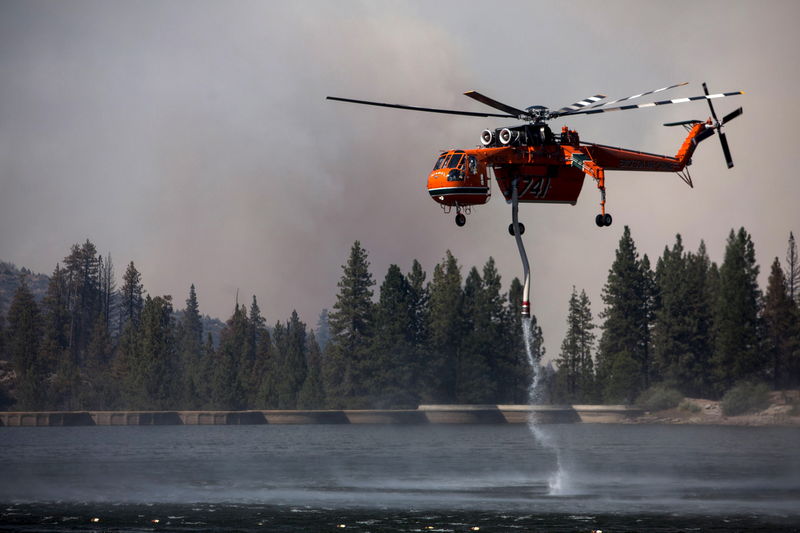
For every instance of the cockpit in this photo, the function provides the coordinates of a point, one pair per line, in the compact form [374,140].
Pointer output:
[456,161]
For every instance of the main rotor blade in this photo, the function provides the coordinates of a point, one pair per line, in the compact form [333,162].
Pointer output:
[415,108]
[639,106]
[516,113]
[582,103]
[725,149]
[639,95]
[710,105]
[732,115]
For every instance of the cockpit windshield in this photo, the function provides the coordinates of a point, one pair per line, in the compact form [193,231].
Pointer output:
[455,161]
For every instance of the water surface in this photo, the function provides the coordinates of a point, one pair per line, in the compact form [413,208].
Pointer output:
[301,477]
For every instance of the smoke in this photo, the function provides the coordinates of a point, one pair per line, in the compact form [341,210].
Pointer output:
[195,139]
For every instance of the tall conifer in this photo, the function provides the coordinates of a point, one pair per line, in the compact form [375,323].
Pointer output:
[474,383]
[793,270]
[575,363]
[446,298]
[624,351]
[780,317]
[392,365]
[737,350]
[351,326]
[312,394]
[155,364]
[189,339]
[23,339]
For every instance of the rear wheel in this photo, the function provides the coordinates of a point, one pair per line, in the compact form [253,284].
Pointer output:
[599,221]
[607,219]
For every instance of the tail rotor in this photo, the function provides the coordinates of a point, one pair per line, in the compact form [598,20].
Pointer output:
[717,125]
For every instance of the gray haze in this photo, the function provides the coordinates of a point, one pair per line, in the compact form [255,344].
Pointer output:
[194,139]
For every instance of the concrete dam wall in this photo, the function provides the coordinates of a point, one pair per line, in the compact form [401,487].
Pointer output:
[424,414]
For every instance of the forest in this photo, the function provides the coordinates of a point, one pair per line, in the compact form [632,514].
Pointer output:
[685,323]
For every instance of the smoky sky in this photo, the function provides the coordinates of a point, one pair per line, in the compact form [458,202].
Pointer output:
[194,138]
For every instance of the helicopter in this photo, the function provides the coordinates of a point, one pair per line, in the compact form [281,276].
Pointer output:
[532,164]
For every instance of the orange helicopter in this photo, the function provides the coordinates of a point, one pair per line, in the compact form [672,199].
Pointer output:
[531,164]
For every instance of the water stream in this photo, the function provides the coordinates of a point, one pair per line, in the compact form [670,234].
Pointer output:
[559,482]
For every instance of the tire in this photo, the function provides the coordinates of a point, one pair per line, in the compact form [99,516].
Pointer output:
[460,219]
[599,221]
[607,219]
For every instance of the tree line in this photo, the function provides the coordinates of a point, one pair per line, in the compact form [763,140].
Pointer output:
[687,323]
[89,345]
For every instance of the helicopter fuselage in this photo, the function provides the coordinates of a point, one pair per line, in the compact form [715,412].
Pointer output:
[551,171]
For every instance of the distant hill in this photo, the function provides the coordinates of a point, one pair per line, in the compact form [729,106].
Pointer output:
[10,276]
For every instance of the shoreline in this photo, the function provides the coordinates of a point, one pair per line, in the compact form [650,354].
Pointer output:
[708,413]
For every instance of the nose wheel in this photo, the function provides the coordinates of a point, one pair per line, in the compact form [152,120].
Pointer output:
[603,220]
[460,219]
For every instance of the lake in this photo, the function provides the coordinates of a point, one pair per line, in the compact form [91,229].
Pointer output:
[570,477]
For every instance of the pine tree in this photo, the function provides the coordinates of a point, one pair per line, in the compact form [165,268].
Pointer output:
[55,342]
[227,391]
[258,356]
[351,325]
[312,395]
[3,356]
[697,374]
[575,363]
[489,325]
[189,339]
[391,367]
[474,382]
[624,352]
[439,373]
[107,291]
[82,269]
[682,344]
[23,339]
[793,270]
[780,317]
[323,334]
[154,368]
[419,295]
[96,391]
[290,362]
[737,351]
[5,397]
[270,383]
[131,297]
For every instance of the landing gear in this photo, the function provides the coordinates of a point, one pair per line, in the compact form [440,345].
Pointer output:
[603,220]
[511,228]
[460,219]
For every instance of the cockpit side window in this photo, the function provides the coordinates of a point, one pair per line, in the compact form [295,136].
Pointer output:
[440,162]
